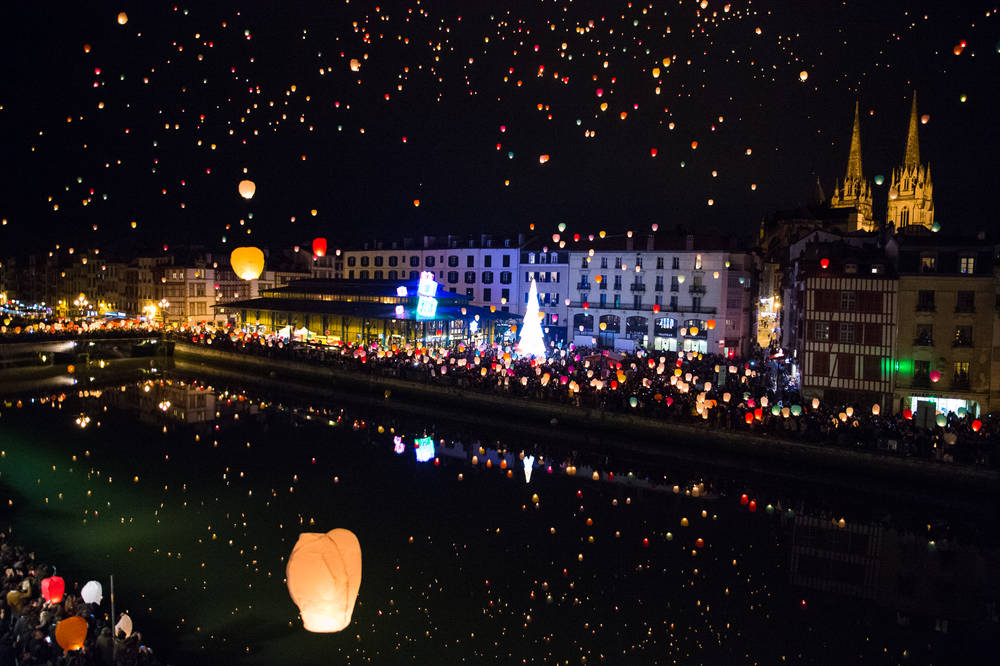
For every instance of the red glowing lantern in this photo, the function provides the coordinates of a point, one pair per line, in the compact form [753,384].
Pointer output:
[669,401]
[645,542]
[319,247]
[935,375]
[656,307]
[907,414]
[976,425]
[824,263]
[758,413]
[700,542]
[53,589]
[586,305]
[749,418]
[652,152]
[744,499]
[753,506]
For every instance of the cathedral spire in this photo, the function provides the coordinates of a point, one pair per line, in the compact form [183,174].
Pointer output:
[912,157]
[854,159]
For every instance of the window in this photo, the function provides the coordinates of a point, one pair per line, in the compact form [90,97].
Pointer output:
[963,336]
[352,261]
[604,300]
[921,372]
[618,300]
[675,284]
[506,261]
[429,261]
[414,261]
[659,263]
[676,263]
[925,300]
[452,261]
[379,260]
[365,260]
[848,301]
[414,275]
[452,277]
[697,262]
[585,263]
[350,275]
[531,257]
[967,264]
[928,264]
[470,277]
[488,261]
[821,331]
[618,282]
[850,268]
[961,378]
[673,302]
[393,275]
[487,294]
[872,369]
[470,292]
[470,261]
[925,336]
[604,262]
[377,275]
[393,260]
[696,303]
[846,333]
[364,275]
[505,277]
[637,302]
[505,295]
[659,283]
[618,262]
[965,301]
[487,277]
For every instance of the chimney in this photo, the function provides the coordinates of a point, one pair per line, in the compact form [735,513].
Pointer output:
[689,243]
[650,242]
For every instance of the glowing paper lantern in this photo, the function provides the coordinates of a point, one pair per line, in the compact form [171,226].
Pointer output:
[319,247]
[876,409]
[247,262]
[977,425]
[71,632]
[803,75]
[124,625]
[710,324]
[879,179]
[53,589]
[908,414]
[941,420]
[247,189]
[796,410]
[324,576]
[815,403]
[935,375]
[748,418]
[92,592]
[122,18]
[542,159]
[355,64]
[824,263]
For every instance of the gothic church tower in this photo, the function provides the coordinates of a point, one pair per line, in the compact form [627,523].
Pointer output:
[855,192]
[911,200]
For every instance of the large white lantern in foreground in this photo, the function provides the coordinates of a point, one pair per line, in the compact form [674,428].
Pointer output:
[324,576]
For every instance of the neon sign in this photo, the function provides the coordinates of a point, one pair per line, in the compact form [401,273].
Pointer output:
[425,448]
[426,290]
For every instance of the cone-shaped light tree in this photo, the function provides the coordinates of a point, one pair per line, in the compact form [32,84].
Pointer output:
[531,342]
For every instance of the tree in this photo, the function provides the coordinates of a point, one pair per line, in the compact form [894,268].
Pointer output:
[532,341]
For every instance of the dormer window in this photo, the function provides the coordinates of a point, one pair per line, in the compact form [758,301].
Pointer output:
[928,264]
[967,265]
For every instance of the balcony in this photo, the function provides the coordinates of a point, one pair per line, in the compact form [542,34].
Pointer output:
[960,383]
[583,286]
[638,286]
[920,381]
[658,287]
[644,307]
[698,289]
[961,343]
[923,341]
[965,308]
[925,307]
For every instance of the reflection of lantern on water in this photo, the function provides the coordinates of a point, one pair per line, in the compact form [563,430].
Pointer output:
[324,576]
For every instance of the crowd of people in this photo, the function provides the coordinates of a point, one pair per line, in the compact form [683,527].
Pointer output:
[754,394]
[28,621]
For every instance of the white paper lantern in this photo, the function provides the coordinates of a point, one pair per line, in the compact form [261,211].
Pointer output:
[324,576]
[92,592]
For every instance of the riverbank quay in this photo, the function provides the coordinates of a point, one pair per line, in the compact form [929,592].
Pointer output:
[588,427]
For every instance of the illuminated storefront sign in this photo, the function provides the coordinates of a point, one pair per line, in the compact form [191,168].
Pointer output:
[425,448]
[426,290]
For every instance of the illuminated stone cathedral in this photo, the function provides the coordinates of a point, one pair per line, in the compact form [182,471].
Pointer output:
[911,193]
[855,192]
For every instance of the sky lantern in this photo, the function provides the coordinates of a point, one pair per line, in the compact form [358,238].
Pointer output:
[122,18]
[247,262]
[977,425]
[656,72]
[71,632]
[803,75]
[416,203]
[694,145]
[247,189]
[319,247]
[935,376]
[924,119]
[542,159]
[824,263]
[124,624]
[53,588]
[652,152]
[92,592]
[710,324]
[324,576]
[355,64]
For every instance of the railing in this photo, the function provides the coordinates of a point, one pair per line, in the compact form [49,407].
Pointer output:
[960,383]
[923,342]
[697,289]
[635,286]
[925,307]
[583,285]
[961,343]
[965,308]
[665,309]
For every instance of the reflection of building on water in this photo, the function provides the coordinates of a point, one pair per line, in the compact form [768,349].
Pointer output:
[185,403]
[897,570]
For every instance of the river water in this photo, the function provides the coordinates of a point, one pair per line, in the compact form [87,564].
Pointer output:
[192,494]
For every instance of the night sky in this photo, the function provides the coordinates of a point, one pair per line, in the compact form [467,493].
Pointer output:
[154,121]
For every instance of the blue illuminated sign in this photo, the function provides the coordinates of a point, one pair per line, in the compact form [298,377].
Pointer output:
[425,448]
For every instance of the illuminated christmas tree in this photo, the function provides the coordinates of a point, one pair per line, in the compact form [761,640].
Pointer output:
[532,342]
